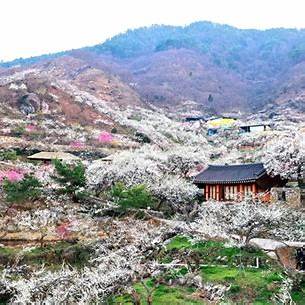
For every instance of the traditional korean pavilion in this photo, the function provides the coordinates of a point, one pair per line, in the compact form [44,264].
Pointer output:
[235,182]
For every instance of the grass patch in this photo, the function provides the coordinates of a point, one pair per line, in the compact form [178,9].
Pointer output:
[212,252]
[247,286]
[258,285]
[162,295]
[179,242]
[298,296]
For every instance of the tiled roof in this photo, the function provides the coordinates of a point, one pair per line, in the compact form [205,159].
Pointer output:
[223,174]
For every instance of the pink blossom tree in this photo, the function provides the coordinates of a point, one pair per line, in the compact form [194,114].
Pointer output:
[105,137]
[11,175]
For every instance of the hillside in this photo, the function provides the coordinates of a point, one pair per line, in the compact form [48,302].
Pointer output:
[219,67]
[61,101]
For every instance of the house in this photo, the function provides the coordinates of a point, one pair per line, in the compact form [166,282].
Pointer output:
[235,182]
[48,156]
[255,128]
[224,123]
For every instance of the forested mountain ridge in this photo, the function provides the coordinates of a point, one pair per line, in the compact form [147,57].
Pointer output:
[219,67]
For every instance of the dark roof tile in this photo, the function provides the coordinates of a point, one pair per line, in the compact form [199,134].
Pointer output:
[231,173]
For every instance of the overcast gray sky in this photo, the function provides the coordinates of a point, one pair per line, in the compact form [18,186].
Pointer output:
[33,27]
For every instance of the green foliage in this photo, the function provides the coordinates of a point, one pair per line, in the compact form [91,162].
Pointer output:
[256,284]
[298,290]
[213,252]
[71,177]
[142,138]
[137,197]
[29,188]
[8,155]
[179,242]
[247,286]
[162,295]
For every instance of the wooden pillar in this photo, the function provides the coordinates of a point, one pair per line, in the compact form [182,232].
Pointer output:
[241,191]
[238,192]
[221,192]
[217,192]
[207,192]
[254,190]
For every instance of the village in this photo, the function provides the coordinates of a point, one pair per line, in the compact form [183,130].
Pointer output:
[215,180]
[152,153]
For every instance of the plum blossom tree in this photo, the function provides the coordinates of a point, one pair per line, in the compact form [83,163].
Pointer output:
[105,137]
[285,156]
[162,171]
[250,220]
[177,193]
[180,160]
[115,263]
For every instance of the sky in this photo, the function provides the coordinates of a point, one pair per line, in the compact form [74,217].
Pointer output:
[34,27]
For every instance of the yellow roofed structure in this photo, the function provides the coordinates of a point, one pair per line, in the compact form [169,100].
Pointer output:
[221,123]
[53,155]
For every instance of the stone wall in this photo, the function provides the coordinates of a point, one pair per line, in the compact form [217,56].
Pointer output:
[288,195]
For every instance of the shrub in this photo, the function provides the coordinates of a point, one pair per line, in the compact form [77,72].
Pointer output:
[71,177]
[134,197]
[142,138]
[29,188]
[8,155]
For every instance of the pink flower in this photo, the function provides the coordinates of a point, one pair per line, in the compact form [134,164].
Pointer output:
[105,137]
[11,175]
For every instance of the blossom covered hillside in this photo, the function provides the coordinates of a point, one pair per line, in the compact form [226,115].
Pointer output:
[98,203]
[132,228]
[57,101]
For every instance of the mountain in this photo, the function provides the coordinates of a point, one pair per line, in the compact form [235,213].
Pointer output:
[61,101]
[218,67]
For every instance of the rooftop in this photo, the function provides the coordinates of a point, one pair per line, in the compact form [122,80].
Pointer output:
[223,174]
[53,155]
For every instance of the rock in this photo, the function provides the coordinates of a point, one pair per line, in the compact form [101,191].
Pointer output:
[272,254]
[267,244]
[29,103]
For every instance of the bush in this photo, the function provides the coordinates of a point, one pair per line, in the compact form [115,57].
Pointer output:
[71,177]
[29,188]
[142,138]
[8,155]
[137,197]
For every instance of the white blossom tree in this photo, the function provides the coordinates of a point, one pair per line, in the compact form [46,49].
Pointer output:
[285,156]
[248,220]
[162,171]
